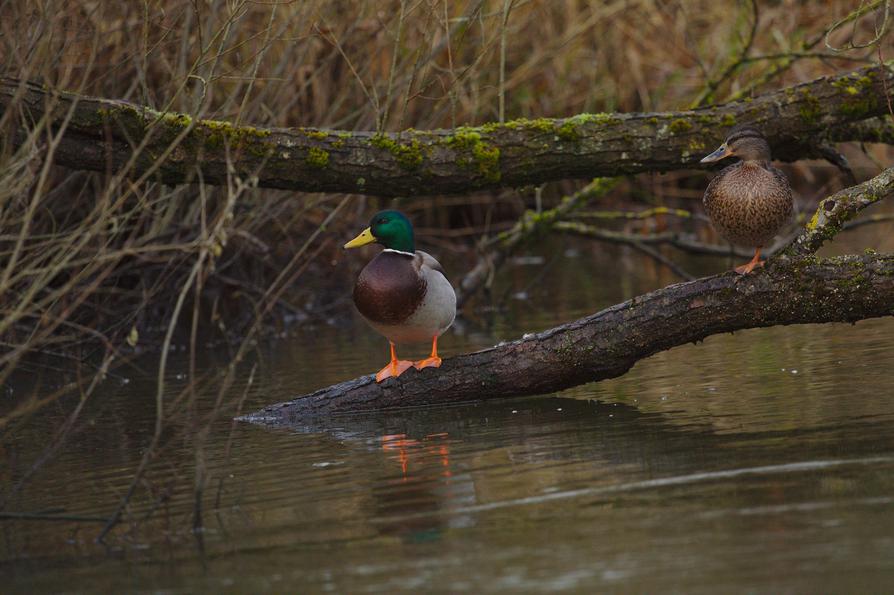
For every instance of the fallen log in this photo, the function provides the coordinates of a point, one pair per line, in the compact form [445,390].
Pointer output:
[109,135]
[608,343]
[793,288]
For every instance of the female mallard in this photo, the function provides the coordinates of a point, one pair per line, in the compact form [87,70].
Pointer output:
[750,201]
[402,292]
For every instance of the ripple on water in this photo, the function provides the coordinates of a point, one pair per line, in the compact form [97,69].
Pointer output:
[707,465]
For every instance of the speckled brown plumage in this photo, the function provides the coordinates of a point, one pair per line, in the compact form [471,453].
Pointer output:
[390,289]
[749,203]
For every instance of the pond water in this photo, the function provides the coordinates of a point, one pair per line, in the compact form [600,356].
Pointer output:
[756,461]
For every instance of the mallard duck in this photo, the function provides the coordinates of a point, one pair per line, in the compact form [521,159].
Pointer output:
[403,292]
[748,202]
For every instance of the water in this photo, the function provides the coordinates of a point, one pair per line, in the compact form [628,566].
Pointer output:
[759,461]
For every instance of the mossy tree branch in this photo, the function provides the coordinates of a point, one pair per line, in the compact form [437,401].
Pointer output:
[833,212]
[102,134]
[608,343]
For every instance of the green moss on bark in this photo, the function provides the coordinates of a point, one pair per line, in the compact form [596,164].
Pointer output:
[474,153]
[408,155]
[317,158]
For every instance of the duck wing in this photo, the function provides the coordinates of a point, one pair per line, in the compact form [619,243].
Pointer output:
[424,259]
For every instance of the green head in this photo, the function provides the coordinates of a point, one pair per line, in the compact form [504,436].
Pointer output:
[391,229]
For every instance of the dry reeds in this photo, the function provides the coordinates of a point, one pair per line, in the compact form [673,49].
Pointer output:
[115,261]
[96,265]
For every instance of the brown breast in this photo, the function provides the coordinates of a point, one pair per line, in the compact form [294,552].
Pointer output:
[389,288]
[749,203]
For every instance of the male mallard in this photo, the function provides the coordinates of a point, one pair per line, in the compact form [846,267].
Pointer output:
[749,201]
[402,292]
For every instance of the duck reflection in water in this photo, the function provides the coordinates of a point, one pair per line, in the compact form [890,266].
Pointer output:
[426,484]
[431,445]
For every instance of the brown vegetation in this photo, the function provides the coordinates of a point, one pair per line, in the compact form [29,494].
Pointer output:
[113,261]
[97,265]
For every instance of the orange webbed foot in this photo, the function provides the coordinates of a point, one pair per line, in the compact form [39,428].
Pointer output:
[747,268]
[429,362]
[433,361]
[394,369]
[753,264]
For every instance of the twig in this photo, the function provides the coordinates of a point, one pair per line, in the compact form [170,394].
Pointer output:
[204,254]
[497,249]
[863,10]
[881,63]
[383,117]
[37,516]
[501,93]
[712,85]
[831,155]
[258,58]
[677,240]
[870,220]
[637,215]
[661,258]
[790,58]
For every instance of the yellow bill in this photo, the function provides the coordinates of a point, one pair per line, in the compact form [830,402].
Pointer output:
[365,237]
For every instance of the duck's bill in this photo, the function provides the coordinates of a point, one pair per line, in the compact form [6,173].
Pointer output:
[717,155]
[365,237]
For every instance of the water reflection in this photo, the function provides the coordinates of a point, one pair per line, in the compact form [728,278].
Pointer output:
[594,480]
[427,487]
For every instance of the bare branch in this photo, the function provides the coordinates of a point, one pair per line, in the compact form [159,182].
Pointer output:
[833,212]
[530,224]
[684,242]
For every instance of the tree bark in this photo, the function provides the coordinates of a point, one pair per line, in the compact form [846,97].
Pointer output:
[607,344]
[103,135]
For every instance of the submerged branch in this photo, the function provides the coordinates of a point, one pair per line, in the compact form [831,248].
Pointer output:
[680,241]
[102,135]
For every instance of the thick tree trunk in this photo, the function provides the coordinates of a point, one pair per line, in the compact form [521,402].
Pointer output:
[103,135]
[610,342]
